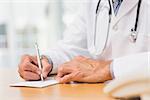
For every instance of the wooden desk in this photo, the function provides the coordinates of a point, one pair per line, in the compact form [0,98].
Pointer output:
[56,92]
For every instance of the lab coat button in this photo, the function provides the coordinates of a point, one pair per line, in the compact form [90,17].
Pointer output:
[115,27]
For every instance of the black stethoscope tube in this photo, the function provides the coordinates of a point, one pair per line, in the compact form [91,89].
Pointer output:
[110,12]
[137,15]
[133,34]
[97,12]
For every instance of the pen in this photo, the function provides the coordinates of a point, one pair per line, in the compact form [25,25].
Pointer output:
[39,59]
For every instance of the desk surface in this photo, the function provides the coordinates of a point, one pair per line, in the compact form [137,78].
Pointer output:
[55,92]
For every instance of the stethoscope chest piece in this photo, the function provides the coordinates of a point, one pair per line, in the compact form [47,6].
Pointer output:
[133,36]
[133,32]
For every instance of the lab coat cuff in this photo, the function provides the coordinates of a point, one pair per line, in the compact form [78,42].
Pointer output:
[111,70]
[124,66]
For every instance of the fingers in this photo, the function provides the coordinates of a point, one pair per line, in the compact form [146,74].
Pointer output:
[27,75]
[30,67]
[64,69]
[27,68]
[73,70]
[73,76]
[34,59]
[46,67]
[67,78]
[29,64]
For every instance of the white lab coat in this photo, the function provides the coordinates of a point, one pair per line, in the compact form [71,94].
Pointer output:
[127,57]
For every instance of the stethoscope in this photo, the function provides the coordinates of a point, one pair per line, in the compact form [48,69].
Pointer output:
[132,37]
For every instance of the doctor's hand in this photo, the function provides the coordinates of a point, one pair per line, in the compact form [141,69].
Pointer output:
[29,70]
[82,69]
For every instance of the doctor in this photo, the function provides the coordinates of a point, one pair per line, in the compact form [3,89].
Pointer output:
[108,39]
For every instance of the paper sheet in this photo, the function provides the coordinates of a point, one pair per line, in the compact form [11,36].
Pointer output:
[35,84]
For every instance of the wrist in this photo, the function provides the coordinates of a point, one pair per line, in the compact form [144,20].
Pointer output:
[106,72]
[109,71]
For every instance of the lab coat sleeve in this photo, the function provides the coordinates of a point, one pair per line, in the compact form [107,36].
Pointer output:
[73,44]
[133,64]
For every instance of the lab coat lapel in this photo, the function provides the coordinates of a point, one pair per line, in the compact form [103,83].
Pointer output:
[126,6]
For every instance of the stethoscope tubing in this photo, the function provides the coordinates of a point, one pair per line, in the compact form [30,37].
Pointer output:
[134,33]
[108,29]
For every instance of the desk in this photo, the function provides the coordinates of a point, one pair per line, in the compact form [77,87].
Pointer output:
[55,92]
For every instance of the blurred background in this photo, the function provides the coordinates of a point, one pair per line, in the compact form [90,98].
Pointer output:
[22,22]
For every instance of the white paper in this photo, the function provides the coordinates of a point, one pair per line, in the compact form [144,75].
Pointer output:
[35,84]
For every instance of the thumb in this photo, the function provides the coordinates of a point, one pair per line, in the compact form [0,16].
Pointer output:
[46,67]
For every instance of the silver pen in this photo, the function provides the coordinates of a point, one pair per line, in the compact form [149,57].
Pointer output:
[39,59]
